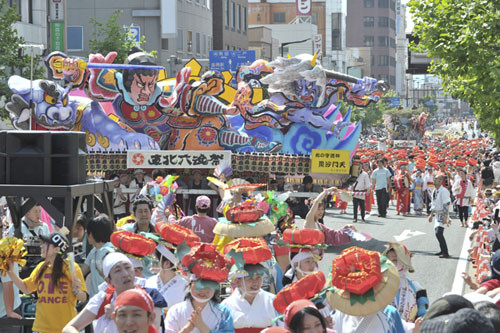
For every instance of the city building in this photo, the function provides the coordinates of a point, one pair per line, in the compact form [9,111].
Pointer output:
[327,16]
[372,23]
[230,24]
[401,50]
[181,29]
[33,24]
[260,39]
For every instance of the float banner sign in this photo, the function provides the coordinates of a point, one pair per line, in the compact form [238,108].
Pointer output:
[177,159]
[303,7]
[404,143]
[330,161]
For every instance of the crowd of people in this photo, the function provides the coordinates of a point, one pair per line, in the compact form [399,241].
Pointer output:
[253,269]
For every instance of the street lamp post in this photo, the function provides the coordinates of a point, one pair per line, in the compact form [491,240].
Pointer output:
[282,45]
[31,47]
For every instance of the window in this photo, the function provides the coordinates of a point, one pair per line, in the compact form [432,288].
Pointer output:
[372,60]
[16,3]
[383,21]
[30,11]
[383,41]
[383,60]
[392,61]
[238,17]
[393,42]
[198,43]
[75,38]
[226,11]
[279,17]
[369,3]
[392,80]
[233,12]
[209,46]
[369,21]
[164,43]
[393,5]
[314,18]
[369,41]
[383,3]
[392,24]
[336,31]
[244,19]
[180,40]
[204,43]
[190,41]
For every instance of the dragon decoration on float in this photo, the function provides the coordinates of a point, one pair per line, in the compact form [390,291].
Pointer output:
[290,105]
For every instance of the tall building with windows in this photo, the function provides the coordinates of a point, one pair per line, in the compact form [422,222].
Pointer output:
[32,25]
[230,25]
[180,28]
[372,23]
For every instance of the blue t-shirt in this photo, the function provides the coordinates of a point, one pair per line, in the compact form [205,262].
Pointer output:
[94,261]
[380,176]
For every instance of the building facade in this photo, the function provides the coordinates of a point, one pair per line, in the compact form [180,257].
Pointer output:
[33,23]
[180,29]
[230,25]
[401,50]
[372,23]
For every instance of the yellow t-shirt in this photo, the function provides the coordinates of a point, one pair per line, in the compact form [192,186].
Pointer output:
[55,306]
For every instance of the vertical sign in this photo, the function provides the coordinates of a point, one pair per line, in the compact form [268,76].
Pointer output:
[303,7]
[56,10]
[168,10]
[318,45]
[57,36]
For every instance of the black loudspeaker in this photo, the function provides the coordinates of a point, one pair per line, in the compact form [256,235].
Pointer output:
[42,157]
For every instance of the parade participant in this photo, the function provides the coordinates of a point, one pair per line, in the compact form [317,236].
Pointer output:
[170,284]
[79,241]
[369,199]
[381,178]
[119,276]
[120,199]
[419,189]
[201,224]
[402,182]
[195,182]
[140,180]
[439,214]
[429,187]
[58,285]
[359,188]
[303,316]
[487,175]
[134,312]
[464,193]
[362,302]
[298,205]
[251,306]
[99,231]
[316,211]
[31,230]
[201,311]
[9,300]
[411,300]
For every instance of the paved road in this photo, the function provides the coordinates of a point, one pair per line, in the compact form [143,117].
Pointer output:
[433,273]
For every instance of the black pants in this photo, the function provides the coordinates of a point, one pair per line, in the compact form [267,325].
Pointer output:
[361,203]
[382,201]
[439,231]
[427,200]
[463,213]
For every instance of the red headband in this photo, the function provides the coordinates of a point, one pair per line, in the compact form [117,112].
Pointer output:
[136,297]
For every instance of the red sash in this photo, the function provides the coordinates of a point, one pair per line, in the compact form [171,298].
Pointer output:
[107,300]
[249,330]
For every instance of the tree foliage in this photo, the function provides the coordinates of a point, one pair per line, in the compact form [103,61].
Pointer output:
[110,36]
[10,62]
[373,114]
[464,38]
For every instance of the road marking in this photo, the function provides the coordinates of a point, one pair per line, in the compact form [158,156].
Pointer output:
[408,234]
[458,282]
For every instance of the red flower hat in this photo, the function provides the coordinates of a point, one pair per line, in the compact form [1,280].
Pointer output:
[254,250]
[133,243]
[206,263]
[176,234]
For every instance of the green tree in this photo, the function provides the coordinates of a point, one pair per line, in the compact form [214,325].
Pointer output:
[464,39]
[110,36]
[10,62]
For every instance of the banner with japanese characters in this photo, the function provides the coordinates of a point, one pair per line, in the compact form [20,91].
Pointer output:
[177,159]
[330,161]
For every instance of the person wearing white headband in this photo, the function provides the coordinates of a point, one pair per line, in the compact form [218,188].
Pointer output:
[302,263]
[170,284]
[250,306]
[118,273]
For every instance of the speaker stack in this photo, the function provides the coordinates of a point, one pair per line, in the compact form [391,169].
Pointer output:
[42,157]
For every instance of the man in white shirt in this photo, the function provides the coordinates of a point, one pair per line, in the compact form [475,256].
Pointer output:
[439,207]
[359,188]
[463,191]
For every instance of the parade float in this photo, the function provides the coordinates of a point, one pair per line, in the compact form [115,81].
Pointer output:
[134,116]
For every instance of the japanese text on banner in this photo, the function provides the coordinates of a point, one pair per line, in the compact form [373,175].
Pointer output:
[182,159]
[330,161]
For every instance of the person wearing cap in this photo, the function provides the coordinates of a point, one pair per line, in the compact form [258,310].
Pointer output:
[119,276]
[439,214]
[134,312]
[303,316]
[251,306]
[170,284]
[201,224]
[464,192]
[58,283]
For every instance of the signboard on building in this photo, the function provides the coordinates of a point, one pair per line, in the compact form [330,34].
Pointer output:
[303,7]
[134,33]
[330,161]
[168,12]
[56,10]
[57,36]
[230,60]
[180,159]
[393,101]
[318,45]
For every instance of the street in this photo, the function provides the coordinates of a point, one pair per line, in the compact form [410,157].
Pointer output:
[434,274]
